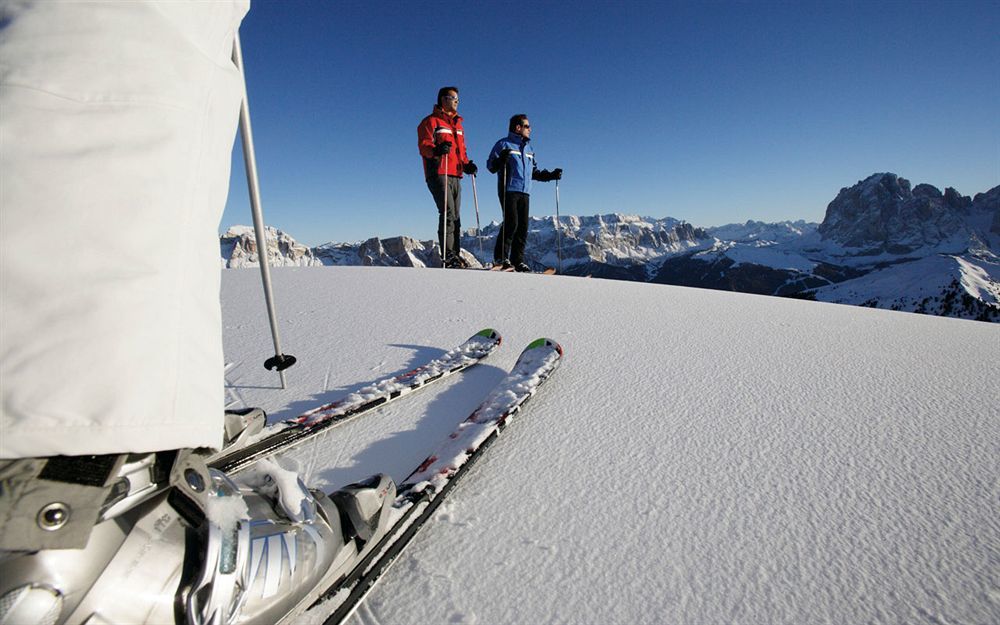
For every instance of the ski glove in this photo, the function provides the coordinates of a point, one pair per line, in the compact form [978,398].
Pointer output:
[500,162]
[544,175]
[470,168]
[442,148]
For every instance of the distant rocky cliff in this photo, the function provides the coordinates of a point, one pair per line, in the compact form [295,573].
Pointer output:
[239,249]
[881,214]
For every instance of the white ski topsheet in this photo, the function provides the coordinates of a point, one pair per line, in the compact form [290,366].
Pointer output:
[700,457]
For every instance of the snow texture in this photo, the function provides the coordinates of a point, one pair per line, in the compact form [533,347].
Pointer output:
[700,456]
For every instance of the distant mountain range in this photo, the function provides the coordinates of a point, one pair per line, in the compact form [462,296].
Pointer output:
[882,244]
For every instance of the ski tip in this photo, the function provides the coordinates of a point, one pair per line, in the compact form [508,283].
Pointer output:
[491,334]
[543,342]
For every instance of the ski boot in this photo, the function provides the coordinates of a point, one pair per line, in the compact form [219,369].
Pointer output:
[207,551]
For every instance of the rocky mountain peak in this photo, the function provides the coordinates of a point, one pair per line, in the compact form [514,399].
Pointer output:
[883,214]
[239,249]
[989,203]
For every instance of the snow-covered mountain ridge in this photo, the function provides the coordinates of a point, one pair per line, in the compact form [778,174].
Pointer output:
[882,243]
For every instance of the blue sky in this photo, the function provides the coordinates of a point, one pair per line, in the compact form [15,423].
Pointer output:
[708,112]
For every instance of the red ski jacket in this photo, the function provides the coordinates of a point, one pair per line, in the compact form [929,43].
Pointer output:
[439,128]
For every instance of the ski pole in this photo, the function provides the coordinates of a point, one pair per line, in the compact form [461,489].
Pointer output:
[444,215]
[279,361]
[475,199]
[503,215]
[558,242]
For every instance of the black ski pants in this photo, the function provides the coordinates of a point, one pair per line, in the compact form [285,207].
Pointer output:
[514,229]
[450,187]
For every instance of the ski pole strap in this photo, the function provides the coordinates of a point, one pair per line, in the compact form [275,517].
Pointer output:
[279,362]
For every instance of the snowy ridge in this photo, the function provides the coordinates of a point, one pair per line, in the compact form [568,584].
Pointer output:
[239,249]
[613,239]
[753,231]
[875,227]
[946,285]
[394,252]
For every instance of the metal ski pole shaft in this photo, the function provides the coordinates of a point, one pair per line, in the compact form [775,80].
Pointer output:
[444,215]
[558,240]
[475,199]
[503,215]
[279,361]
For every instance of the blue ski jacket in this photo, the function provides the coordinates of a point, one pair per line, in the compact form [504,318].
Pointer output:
[520,165]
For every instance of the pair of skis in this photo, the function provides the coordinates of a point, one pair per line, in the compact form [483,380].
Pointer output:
[420,494]
[548,271]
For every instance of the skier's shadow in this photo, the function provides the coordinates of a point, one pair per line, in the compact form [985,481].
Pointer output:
[421,354]
[401,452]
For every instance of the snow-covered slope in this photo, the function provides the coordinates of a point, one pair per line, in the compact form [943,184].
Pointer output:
[700,456]
[946,285]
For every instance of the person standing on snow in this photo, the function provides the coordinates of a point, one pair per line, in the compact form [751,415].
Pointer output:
[513,161]
[116,135]
[441,141]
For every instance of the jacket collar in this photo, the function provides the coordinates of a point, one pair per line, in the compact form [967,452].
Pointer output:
[439,112]
[513,137]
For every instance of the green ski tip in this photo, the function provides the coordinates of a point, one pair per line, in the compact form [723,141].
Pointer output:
[543,342]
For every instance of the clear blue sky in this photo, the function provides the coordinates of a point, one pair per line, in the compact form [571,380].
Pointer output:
[708,112]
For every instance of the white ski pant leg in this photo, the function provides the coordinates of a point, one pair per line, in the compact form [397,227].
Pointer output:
[117,122]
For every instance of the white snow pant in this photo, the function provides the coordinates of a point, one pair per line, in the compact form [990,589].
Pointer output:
[117,122]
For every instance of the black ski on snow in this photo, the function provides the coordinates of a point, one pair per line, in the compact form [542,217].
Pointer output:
[422,492]
[294,431]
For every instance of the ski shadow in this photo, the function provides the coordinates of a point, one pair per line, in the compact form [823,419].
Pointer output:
[421,354]
[401,452]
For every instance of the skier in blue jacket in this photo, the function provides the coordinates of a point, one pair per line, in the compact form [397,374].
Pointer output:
[513,161]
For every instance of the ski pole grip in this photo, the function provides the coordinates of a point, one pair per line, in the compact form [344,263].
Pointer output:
[279,362]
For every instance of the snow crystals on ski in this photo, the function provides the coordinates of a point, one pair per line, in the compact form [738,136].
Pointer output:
[473,350]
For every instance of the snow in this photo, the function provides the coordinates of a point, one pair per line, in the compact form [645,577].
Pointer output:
[977,282]
[284,485]
[780,232]
[909,283]
[770,256]
[698,457]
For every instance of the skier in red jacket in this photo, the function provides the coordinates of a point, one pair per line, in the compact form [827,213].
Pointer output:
[442,145]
